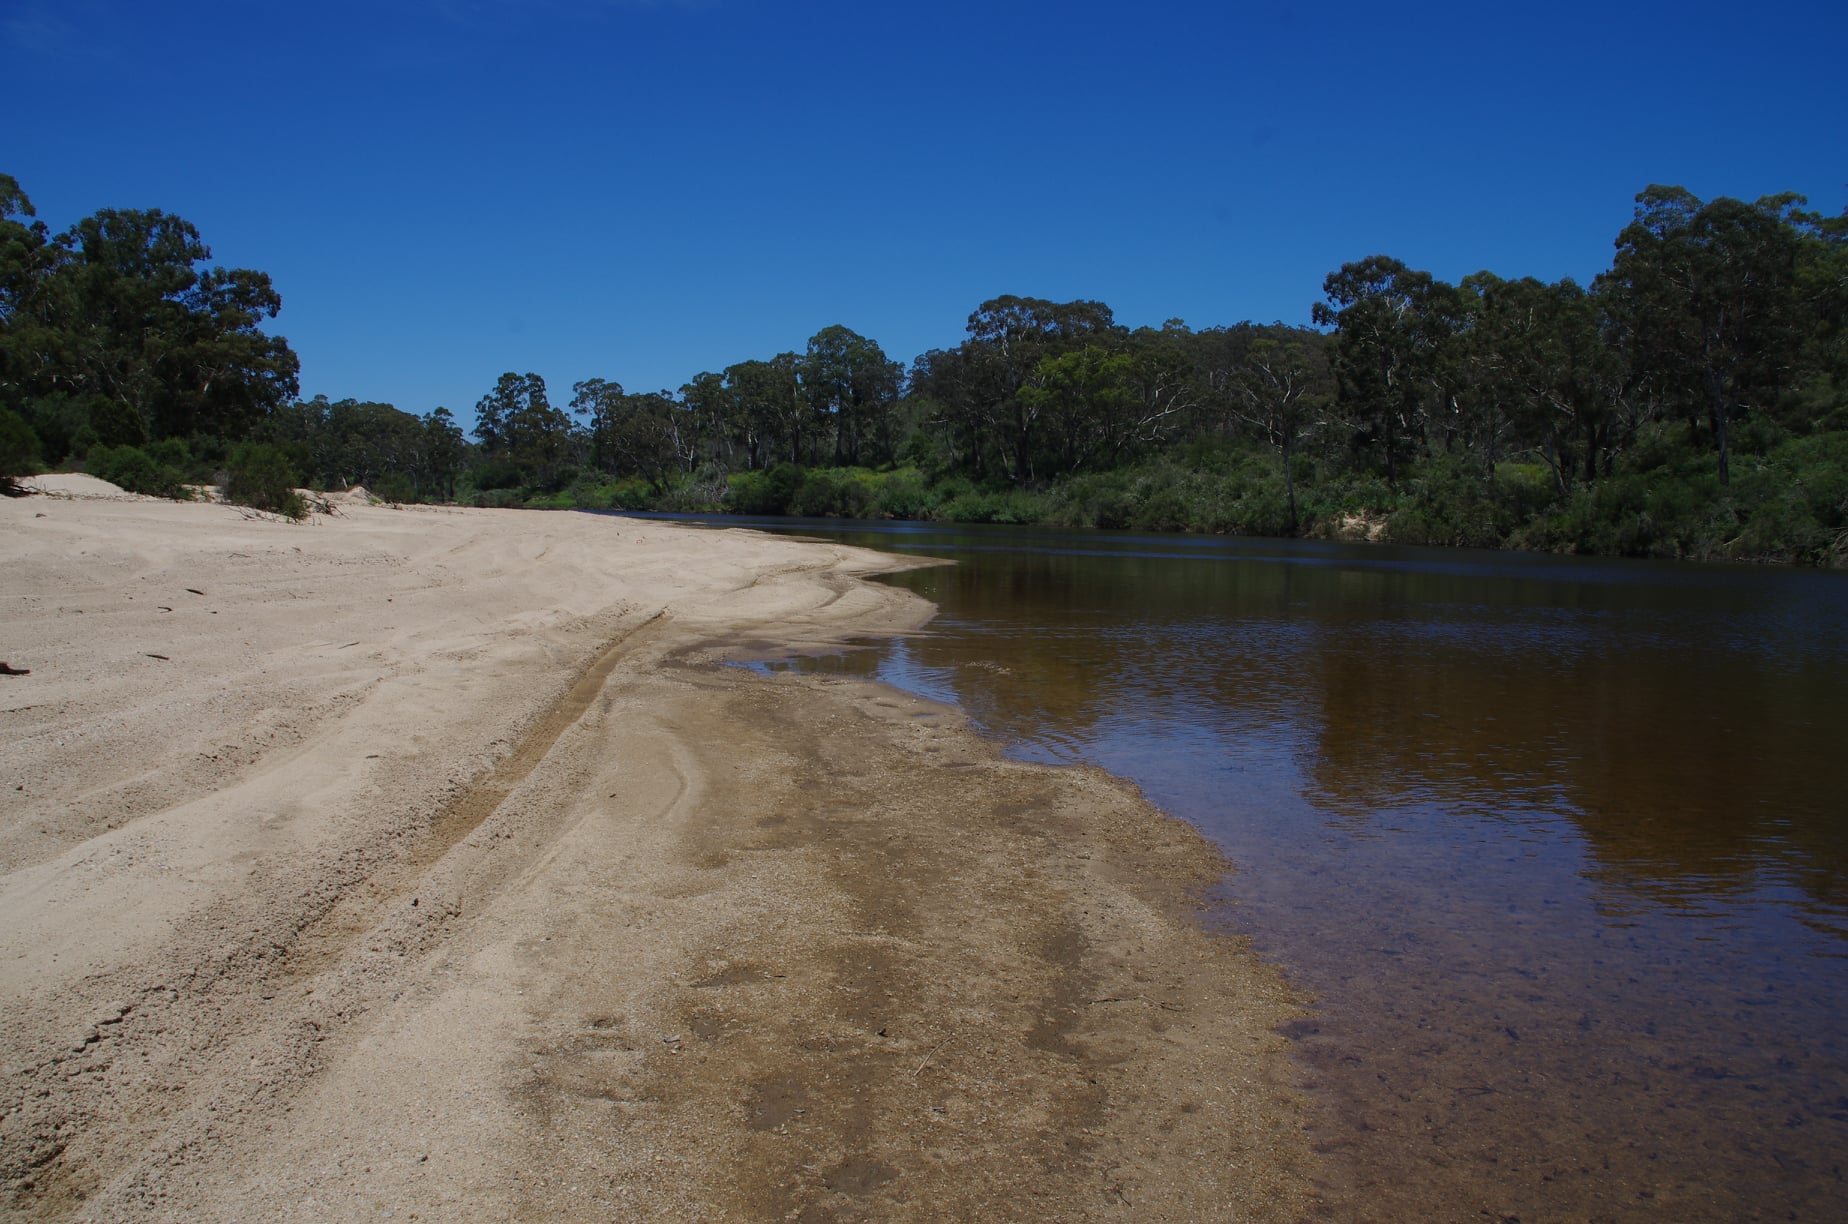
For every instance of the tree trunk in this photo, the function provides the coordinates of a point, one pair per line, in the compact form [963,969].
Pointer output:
[1289,484]
[1722,417]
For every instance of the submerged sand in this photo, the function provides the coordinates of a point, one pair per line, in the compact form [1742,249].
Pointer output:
[422,864]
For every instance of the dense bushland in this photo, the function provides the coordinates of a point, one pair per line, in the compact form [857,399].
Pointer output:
[1689,402]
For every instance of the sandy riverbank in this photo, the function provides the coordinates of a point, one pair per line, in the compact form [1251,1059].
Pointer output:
[418,863]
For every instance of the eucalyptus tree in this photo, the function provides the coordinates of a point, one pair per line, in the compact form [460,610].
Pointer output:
[1391,323]
[852,389]
[117,314]
[712,408]
[755,418]
[773,408]
[1100,405]
[441,455]
[1705,297]
[1282,390]
[1082,400]
[647,434]
[782,385]
[946,384]
[599,405]
[1534,370]
[1216,357]
[1168,394]
[517,422]
[29,343]
[1008,339]
[654,438]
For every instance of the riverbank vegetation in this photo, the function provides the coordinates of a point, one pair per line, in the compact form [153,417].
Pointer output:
[1691,401]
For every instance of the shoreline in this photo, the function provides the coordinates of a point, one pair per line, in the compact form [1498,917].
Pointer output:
[436,869]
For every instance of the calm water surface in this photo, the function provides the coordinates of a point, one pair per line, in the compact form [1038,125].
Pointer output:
[1558,846]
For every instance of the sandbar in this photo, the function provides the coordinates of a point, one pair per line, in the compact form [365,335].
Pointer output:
[427,863]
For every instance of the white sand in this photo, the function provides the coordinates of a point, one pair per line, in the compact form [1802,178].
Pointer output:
[379,864]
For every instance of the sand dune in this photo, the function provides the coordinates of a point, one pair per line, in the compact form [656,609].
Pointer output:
[420,861]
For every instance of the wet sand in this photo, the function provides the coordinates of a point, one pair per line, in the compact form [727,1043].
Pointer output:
[423,862]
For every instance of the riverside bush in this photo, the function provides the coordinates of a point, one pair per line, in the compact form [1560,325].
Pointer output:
[1252,502]
[1454,502]
[629,493]
[829,493]
[1094,499]
[393,487]
[767,492]
[138,471]
[1011,506]
[260,476]
[1659,497]
[701,493]
[833,493]
[19,448]
[903,494]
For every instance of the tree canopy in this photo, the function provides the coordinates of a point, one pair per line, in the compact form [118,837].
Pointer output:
[1691,400]
[117,330]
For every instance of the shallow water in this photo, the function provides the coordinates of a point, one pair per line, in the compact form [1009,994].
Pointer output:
[1558,846]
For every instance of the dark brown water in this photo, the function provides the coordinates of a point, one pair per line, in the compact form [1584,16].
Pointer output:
[1559,846]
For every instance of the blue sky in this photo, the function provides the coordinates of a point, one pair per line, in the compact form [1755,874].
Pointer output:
[642,189]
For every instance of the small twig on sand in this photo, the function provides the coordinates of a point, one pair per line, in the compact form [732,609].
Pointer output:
[933,1053]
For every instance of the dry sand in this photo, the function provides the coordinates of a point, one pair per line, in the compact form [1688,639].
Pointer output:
[421,864]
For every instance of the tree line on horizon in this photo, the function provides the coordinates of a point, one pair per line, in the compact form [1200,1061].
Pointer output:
[1691,401]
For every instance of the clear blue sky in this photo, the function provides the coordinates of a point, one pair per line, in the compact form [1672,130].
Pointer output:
[643,189]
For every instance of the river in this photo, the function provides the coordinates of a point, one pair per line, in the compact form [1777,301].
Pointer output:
[1558,847]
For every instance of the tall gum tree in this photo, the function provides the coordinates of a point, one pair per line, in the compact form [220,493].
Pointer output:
[116,314]
[1281,390]
[852,387]
[1533,370]
[1390,323]
[1008,339]
[517,422]
[1704,297]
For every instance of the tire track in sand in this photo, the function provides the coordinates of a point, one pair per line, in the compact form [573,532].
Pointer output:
[323,942]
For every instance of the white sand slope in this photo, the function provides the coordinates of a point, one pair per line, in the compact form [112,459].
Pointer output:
[344,863]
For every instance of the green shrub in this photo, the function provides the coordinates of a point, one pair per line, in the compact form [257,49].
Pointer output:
[767,492]
[704,492]
[62,424]
[833,493]
[903,494]
[115,423]
[628,493]
[1163,503]
[492,474]
[260,476]
[134,469]
[1251,502]
[1093,499]
[19,447]
[171,453]
[1012,506]
[393,487]
[1453,502]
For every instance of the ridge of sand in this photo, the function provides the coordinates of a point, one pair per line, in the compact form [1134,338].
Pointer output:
[418,862]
